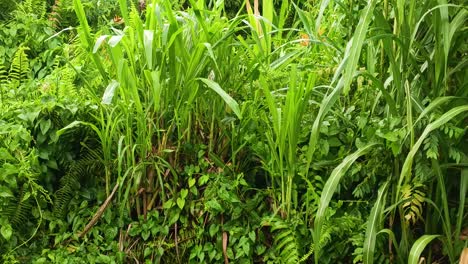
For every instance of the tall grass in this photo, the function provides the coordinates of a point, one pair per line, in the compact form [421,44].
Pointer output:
[411,37]
[283,134]
[188,77]
[159,67]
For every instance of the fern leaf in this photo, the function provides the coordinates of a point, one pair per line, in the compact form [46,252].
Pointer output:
[87,164]
[19,68]
[285,241]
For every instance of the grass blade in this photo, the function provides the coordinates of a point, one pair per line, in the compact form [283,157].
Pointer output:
[87,38]
[434,104]
[418,248]
[406,169]
[124,10]
[463,193]
[323,5]
[109,92]
[445,209]
[356,44]
[373,224]
[329,190]
[350,61]
[226,97]
[392,238]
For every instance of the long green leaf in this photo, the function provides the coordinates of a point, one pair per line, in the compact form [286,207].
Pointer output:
[415,30]
[109,92]
[418,248]
[356,44]
[392,238]
[79,123]
[226,97]
[330,188]
[461,207]
[372,225]
[406,169]
[349,62]
[434,104]
[318,21]
[445,208]
[86,37]
[124,10]
[457,22]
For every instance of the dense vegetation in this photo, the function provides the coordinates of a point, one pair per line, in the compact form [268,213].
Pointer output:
[240,131]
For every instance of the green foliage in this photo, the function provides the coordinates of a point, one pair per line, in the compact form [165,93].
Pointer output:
[21,195]
[285,241]
[6,7]
[373,225]
[233,131]
[19,67]
[78,171]
[98,13]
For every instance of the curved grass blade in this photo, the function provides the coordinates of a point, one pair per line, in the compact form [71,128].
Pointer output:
[434,104]
[416,28]
[392,238]
[356,44]
[109,92]
[226,97]
[323,5]
[329,190]
[124,10]
[373,224]
[418,248]
[406,169]
[78,123]
[445,207]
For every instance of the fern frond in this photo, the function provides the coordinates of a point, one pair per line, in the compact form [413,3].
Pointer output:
[285,240]
[70,183]
[36,7]
[413,207]
[61,81]
[3,81]
[18,209]
[87,164]
[431,146]
[19,68]
[422,170]
[3,75]
[134,16]
[308,254]
[456,154]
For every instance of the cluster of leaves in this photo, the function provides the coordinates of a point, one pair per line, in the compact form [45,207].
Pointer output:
[38,96]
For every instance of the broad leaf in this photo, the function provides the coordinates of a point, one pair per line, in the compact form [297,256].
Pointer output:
[6,231]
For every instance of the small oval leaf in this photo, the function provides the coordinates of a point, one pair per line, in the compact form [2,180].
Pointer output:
[6,231]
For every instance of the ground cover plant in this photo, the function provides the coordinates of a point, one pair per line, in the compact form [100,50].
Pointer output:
[210,131]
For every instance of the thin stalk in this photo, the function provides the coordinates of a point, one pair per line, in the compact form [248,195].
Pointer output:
[445,209]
